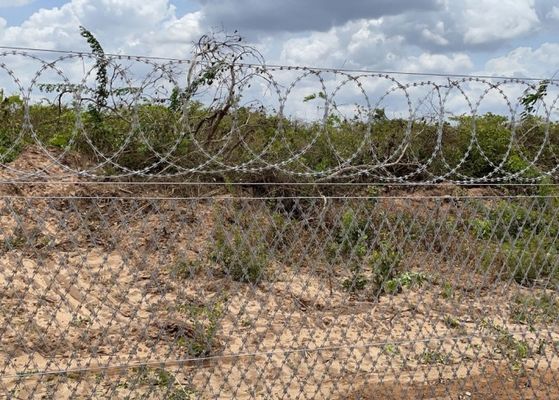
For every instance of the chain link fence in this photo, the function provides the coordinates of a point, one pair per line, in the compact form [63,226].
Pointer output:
[163,251]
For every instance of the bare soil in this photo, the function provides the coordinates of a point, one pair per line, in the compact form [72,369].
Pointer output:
[108,294]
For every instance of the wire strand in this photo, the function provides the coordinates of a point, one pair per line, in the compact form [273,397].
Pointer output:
[182,361]
[293,67]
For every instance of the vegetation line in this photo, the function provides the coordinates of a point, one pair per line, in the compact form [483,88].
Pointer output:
[327,197]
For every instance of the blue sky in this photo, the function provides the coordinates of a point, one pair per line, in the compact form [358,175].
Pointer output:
[15,15]
[503,37]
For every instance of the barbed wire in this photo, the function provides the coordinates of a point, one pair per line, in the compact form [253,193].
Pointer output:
[288,66]
[167,118]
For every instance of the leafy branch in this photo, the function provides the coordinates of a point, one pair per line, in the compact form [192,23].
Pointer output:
[529,100]
[101,93]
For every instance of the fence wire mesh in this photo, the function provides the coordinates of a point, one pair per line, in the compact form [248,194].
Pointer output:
[379,256]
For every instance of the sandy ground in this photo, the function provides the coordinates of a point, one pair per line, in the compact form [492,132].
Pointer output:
[118,297]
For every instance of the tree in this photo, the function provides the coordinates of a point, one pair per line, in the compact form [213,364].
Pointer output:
[218,64]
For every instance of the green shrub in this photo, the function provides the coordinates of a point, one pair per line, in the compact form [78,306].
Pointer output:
[8,151]
[205,318]
[530,309]
[11,126]
[512,220]
[507,345]
[385,266]
[483,228]
[381,273]
[493,134]
[522,240]
[526,262]
[358,279]
[354,234]
[242,254]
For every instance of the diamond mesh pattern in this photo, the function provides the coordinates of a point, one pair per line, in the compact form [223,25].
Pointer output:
[410,293]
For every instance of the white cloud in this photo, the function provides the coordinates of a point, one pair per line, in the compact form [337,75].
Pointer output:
[50,28]
[364,45]
[174,39]
[150,27]
[444,39]
[357,44]
[435,35]
[314,49]
[485,21]
[542,62]
[122,26]
[554,13]
[453,63]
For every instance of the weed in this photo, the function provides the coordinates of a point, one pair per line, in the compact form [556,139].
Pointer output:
[447,291]
[541,347]
[99,378]
[390,349]
[206,319]
[282,232]
[382,274]
[531,309]
[25,239]
[186,269]
[80,321]
[525,262]
[452,322]
[412,278]
[507,345]
[482,228]
[353,234]
[434,357]
[404,280]
[373,191]
[242,255]
[164,381]
[8,151]
[380,271]
[14,242]
[390,286]
[357,281]
[513,220]
[385,264]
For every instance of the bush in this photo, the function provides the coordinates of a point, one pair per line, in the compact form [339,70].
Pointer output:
[527,262]
[202,340]
[382,273]
[357,232]
[530,309]
[242,254]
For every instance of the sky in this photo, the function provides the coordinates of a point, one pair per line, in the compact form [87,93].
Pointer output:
[495,37]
